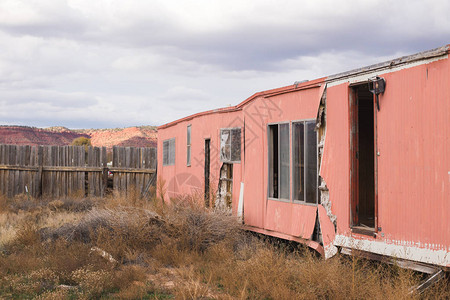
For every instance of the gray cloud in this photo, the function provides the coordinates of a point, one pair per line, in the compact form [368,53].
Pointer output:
[83,63]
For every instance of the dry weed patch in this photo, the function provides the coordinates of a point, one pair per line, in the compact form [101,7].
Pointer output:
[126,247]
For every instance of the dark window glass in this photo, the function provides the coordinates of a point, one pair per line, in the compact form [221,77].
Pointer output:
[311,163]
[298,161]
[284,161]
[188,146]
[236,144]
[169,152]
[273,161]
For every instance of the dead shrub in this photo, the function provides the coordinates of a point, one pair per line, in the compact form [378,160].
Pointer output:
[56,294]
[137,290]
[196,228]
[3,203]
[27,235]
[183,249]
[169,254]
[191,286]
[93,283]
[126,229]
[133,198]
[129,275]
[33,283]
[23,202]
[72,204]
[55,205]
[20,262]
[65,257]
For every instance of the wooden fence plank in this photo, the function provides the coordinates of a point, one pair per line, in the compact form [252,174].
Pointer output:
[11,161]
[104,162]
[2,188]
[115,164]
[61,171]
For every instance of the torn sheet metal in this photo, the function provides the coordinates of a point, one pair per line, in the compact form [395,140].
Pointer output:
[328,232]
[321,110]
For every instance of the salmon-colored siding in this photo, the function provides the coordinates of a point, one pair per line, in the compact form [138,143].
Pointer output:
[335,167]
[275,215]
[413,157]
[181,179]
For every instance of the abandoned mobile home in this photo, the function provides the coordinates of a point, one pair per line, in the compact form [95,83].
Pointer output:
[354,161]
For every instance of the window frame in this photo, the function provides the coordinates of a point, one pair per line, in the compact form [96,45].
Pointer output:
[304,121]
[169,162]
[188,145]
[289,200]
[231,145]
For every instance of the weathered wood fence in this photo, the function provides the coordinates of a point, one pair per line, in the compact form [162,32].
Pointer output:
[59,171]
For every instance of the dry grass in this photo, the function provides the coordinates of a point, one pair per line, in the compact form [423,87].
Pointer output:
[127,247]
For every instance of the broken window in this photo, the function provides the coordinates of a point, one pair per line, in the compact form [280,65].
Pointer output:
[230,145]
[279,175]
[304,159]
[169,152]
[188,145]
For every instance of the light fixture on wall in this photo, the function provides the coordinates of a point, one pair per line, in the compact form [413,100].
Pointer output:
[377,86]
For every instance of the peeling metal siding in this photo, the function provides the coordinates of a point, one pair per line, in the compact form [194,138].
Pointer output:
[334,168]
[397,249]
[328,232]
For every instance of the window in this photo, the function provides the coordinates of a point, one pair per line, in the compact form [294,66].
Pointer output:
[279,179]
[304,160]
[230,145]
[169,152]
[188,145]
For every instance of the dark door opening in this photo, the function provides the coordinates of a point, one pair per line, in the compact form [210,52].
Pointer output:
[363,157]
[207,171]
[225,186]
[273,161]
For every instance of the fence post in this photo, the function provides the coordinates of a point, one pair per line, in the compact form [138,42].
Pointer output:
[105,171]
[40,154]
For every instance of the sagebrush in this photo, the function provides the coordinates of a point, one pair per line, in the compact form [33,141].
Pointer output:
[128,247]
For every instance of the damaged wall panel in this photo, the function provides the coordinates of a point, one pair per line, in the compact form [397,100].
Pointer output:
[334,168]
[328,232]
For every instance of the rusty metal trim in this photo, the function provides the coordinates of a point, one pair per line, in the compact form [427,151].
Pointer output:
[391,63]
[406,264]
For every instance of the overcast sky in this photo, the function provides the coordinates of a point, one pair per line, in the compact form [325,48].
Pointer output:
[106,63]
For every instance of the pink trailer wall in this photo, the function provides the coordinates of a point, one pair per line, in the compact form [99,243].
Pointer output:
[278,216]
[413,163]
[181,179]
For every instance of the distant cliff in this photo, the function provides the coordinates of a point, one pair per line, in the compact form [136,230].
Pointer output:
[143,136]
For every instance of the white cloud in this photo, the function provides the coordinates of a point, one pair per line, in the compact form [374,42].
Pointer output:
[110,63]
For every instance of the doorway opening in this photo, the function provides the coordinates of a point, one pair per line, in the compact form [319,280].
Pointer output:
[224,197]
[363,168]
